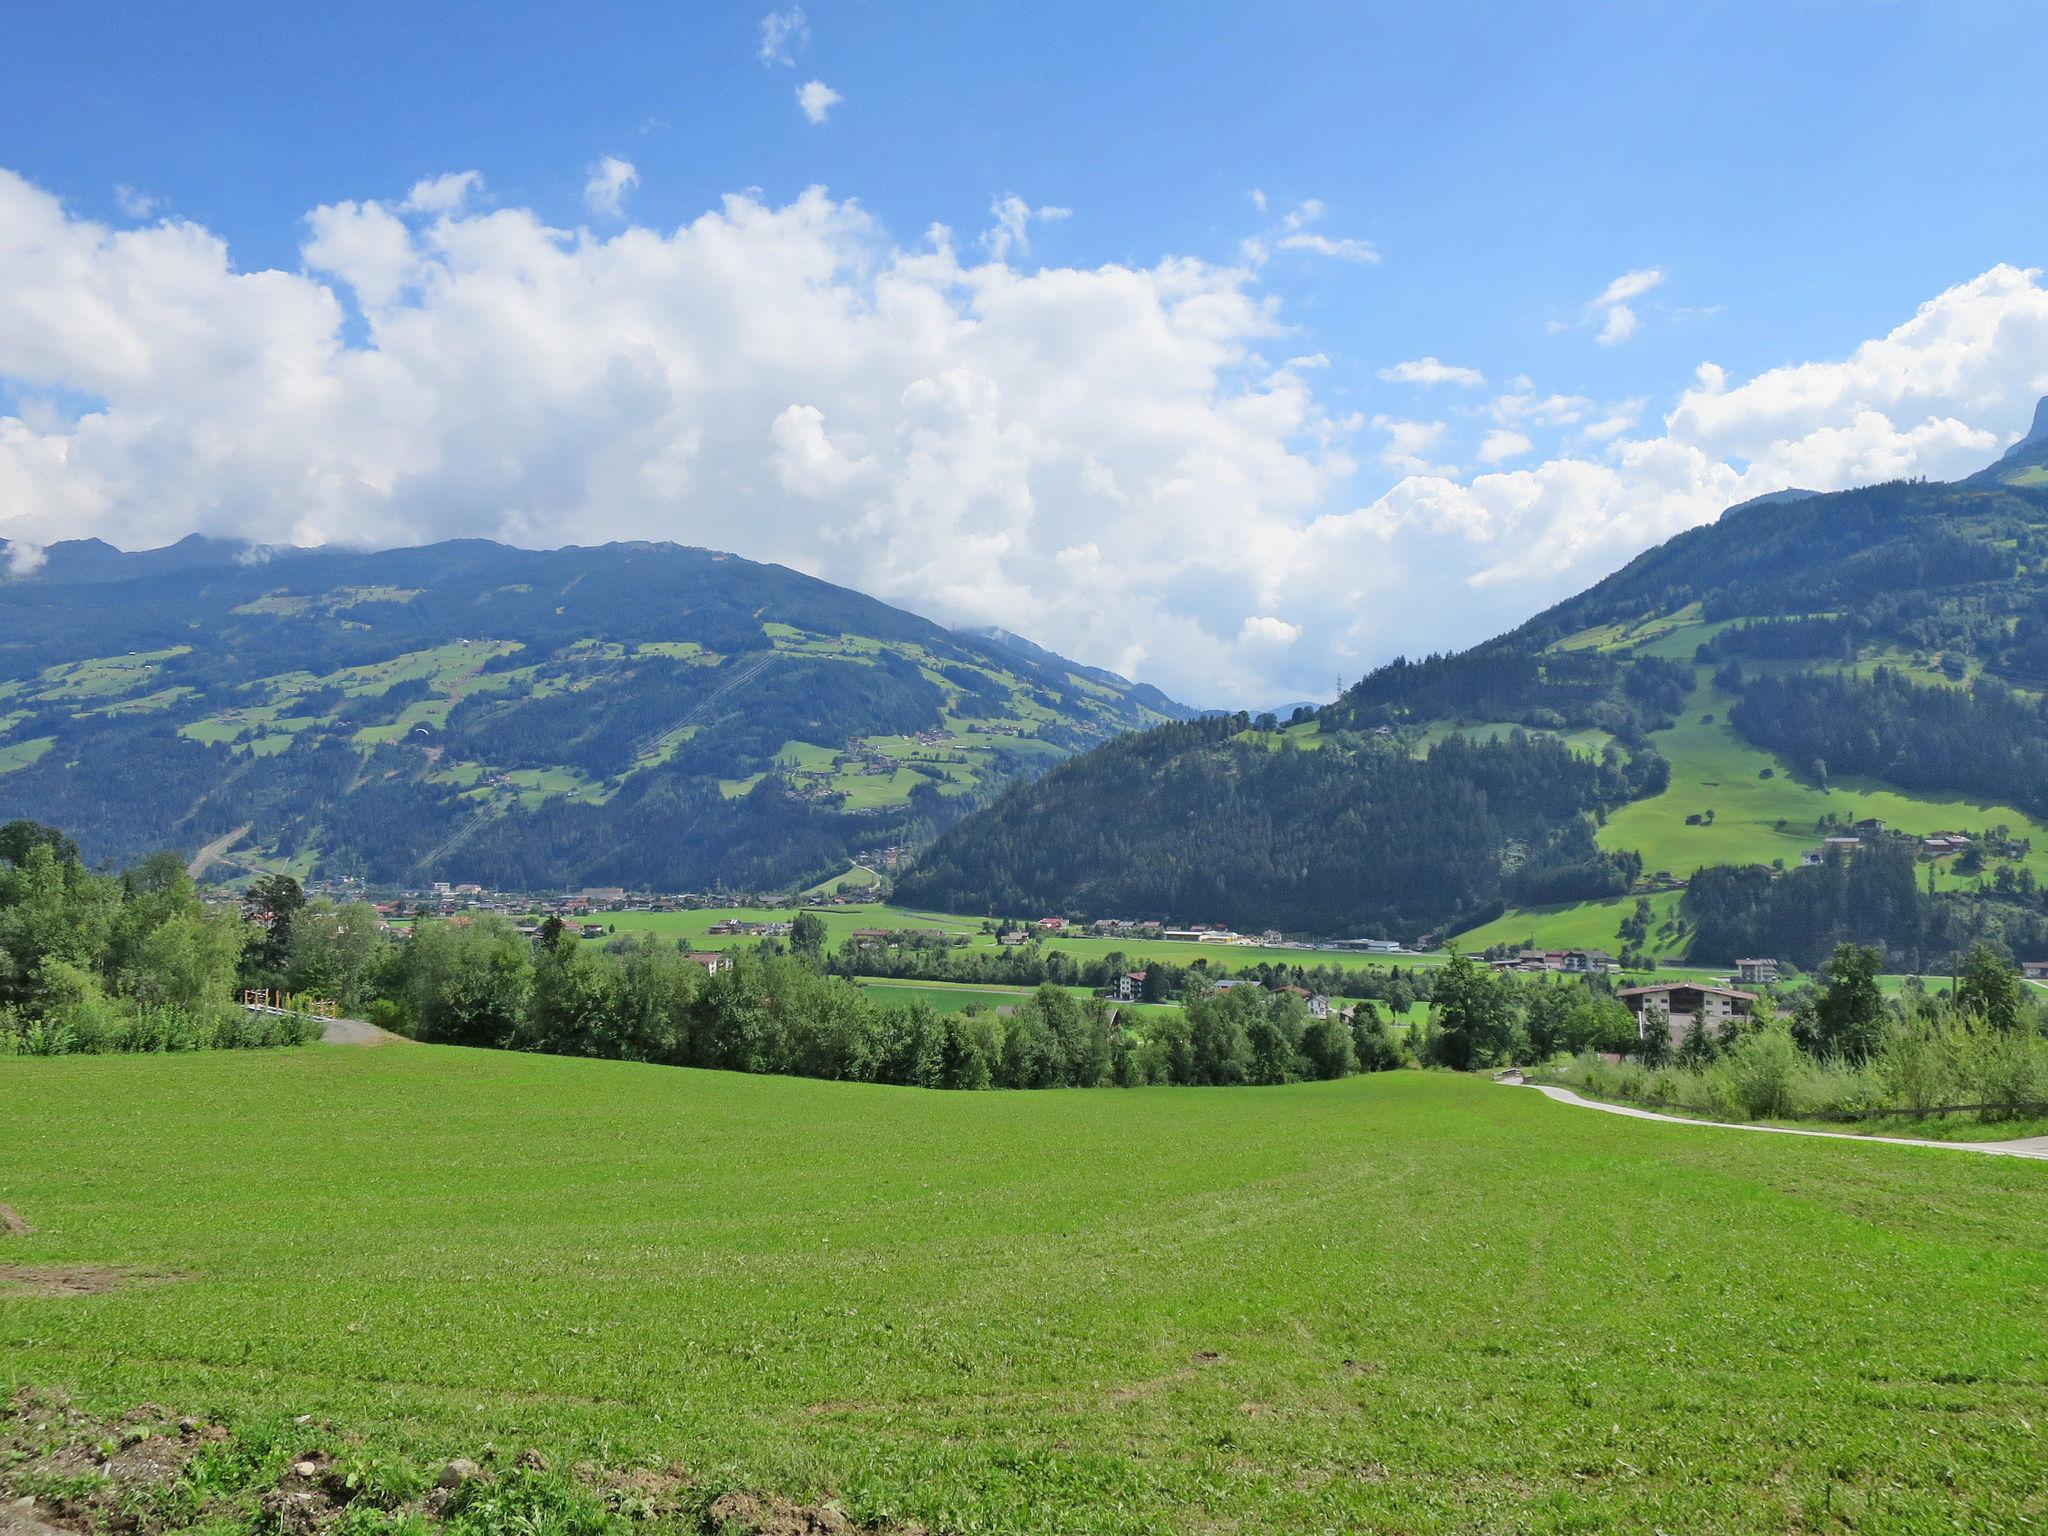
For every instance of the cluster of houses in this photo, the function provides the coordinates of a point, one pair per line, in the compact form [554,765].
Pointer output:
[746,928]
[1318,1006]
[1938,845]
[1570,962]
[1128,928]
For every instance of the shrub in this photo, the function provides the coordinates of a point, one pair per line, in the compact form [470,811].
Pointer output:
[1767,1073]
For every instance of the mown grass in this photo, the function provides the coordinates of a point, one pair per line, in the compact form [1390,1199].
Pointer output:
[1406,1302]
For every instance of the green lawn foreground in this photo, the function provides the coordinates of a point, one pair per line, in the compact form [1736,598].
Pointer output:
[1408,1302]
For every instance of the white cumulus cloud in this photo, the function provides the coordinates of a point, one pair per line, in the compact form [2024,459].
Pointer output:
[1940,395]
[1428,371]
[1103,458]
[1503,443]
[1097,457]
[1012,228]
[817,98]
[610,180]
[1266,630]
[444,194]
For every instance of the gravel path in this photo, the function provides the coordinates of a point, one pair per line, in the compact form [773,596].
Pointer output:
[2031,1146]
[355,1032]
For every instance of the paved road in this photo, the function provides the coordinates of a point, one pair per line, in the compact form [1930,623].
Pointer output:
[2031,1146]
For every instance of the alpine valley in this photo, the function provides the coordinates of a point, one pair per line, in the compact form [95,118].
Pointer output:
[1818,718]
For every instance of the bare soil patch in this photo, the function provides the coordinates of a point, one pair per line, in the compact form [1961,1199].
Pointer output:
[11,1223]
[73,1279]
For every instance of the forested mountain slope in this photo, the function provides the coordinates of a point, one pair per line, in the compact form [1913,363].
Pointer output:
[1736,696]
[635,714]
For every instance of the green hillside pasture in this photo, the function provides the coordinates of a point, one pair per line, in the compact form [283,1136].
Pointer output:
[1583,925]
[1404,1302]
[854,878]
[100,678]
[1713,768]
[19,754]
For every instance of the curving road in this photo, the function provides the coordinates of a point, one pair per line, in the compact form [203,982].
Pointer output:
[2032,1146]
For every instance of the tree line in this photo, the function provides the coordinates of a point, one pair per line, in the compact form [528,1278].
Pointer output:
[1871,897]
[134,961]
[1983,741]
[1358,836]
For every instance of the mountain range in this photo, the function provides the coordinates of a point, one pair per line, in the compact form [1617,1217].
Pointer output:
[1634,768]
[639,714]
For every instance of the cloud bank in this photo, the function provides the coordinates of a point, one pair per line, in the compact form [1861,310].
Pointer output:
[1102,458]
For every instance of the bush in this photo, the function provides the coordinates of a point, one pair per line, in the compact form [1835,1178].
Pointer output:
[1918,1068]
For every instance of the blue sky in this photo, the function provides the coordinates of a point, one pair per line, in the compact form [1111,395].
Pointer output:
[1786,182]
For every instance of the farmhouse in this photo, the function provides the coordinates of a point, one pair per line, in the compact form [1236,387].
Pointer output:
[1129,987]
[1680,1002]
[2034,970]
[710,960]
[1316,1003]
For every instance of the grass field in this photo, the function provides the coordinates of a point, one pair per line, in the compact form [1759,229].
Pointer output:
[1582,925]
[840,923]
[1408,1302]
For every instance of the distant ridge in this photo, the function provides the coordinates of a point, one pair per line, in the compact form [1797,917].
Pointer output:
[2026,461]
[640,714]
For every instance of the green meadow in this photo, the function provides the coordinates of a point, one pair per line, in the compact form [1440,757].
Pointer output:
[1757,819]
[1410,1302]
[840,923]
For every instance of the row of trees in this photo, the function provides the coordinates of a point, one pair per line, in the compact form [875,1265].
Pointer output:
[1030,965]
[1871,897]
[484,984]
[1480,1017]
